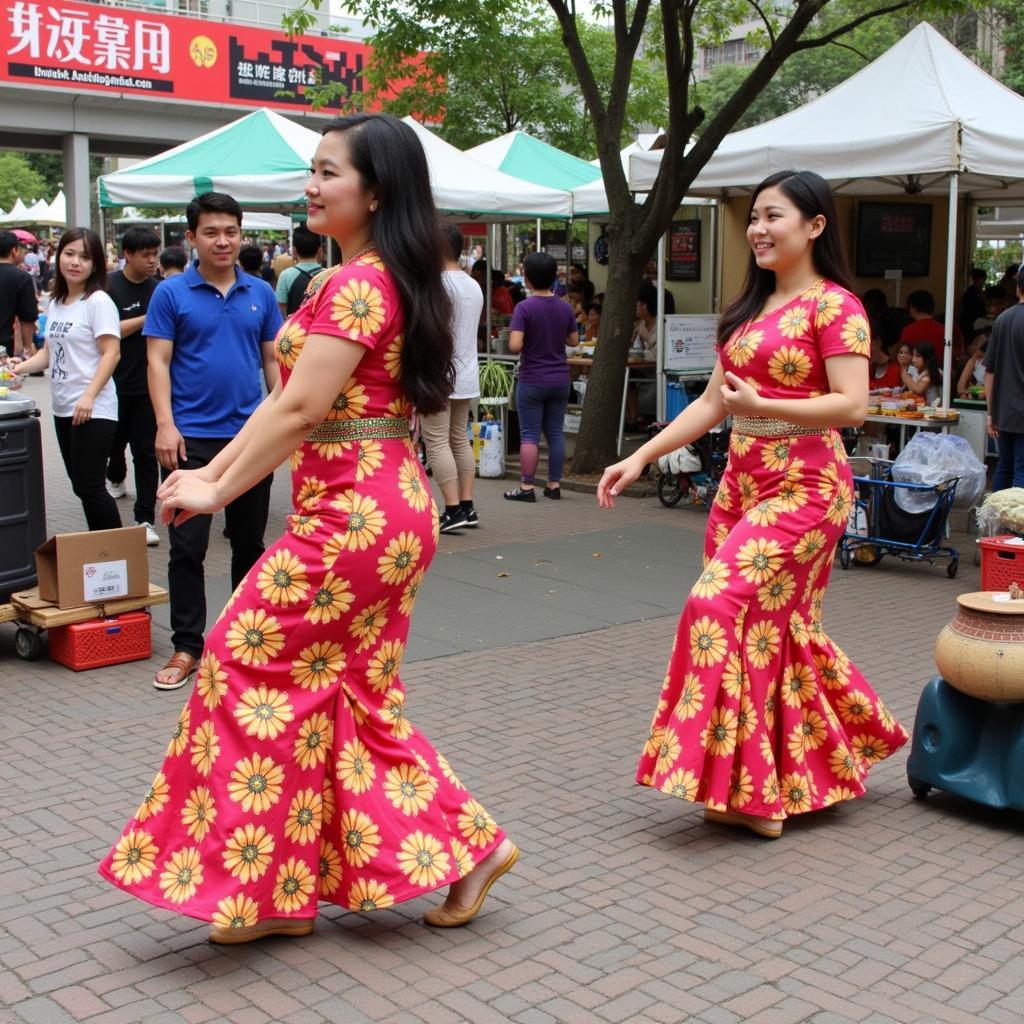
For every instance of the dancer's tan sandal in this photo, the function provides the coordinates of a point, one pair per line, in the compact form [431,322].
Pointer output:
[766,827]
[294,926]
[448,916]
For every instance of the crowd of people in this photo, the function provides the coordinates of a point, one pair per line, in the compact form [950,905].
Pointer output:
[295,738]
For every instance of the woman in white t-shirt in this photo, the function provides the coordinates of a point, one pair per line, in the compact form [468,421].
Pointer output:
[83,345]
[444,433]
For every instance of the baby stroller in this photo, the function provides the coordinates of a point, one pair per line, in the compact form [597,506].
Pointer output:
[880,526]
[693,470]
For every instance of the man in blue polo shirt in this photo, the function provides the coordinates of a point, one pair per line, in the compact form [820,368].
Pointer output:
[210,334]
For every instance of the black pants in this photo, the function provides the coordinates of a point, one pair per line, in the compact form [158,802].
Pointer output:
[136,426]
[84,450]
[246,519]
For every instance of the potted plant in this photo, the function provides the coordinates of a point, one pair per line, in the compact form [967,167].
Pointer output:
[495,384]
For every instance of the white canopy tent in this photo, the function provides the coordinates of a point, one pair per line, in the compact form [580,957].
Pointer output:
[262,160]
[17,215]
[39,214]
[57,212]
[463,185]
[921,119]
[591,200]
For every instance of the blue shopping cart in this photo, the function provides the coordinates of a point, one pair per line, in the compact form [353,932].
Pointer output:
[880,526]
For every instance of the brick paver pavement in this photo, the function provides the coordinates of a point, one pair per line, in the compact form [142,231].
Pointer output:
[626,907]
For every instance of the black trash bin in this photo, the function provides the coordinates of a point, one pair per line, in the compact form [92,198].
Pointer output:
[22,505]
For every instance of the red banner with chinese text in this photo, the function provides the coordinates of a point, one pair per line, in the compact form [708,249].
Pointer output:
[82,46]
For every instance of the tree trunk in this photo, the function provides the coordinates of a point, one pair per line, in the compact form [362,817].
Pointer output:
[596,442]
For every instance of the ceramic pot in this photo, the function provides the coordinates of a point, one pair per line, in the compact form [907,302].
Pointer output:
[981,652]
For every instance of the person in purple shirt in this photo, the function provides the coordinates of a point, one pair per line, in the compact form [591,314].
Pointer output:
[542,326]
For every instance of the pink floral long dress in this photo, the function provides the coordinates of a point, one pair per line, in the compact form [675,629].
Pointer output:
[294,774]
[760,711]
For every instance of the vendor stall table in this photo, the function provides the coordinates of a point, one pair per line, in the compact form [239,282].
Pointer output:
[907,421]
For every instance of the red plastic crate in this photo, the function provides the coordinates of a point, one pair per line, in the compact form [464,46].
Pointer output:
[1002,563]
[101,642]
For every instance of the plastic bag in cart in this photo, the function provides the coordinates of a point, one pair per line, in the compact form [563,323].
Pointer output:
[682,460]
[932,459]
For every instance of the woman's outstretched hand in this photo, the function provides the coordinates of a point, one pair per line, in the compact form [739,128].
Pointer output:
[615,478]
[185,494]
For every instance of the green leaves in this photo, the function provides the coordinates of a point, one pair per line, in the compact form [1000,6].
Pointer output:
[495,381]
[19,180]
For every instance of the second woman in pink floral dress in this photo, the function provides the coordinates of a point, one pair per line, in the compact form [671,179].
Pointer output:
[295,774]
[761,716]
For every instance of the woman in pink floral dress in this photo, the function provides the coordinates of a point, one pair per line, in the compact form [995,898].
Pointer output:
[294,774]
[761,716]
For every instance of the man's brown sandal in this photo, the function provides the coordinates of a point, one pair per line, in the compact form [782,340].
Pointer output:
[179,662]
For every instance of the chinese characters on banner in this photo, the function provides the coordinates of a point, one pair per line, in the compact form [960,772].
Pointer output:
[84,46]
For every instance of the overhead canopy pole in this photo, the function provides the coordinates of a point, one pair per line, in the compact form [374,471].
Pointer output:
[659,372]
[947,327]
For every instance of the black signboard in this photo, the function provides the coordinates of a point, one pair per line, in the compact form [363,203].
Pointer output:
[893,236]
[683,262]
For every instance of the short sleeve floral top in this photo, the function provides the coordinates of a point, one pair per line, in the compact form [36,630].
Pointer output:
[359,302]
[783,353]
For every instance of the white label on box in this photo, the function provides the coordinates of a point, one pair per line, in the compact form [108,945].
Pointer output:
[104,580]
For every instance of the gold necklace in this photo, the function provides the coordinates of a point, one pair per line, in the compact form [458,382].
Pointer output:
[362,252]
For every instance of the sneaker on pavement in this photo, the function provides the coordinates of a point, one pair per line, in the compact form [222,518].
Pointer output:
[452,521]
[472,519]
[116,490]
[152,537]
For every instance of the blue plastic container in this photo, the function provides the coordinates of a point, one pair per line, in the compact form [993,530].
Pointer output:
[972,748]
[676,399]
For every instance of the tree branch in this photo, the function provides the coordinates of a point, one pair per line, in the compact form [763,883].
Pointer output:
[853,49]
[625,55]
[767,23]
[810,44]
[584,72]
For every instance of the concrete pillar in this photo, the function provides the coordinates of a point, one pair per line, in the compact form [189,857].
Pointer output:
[76,179]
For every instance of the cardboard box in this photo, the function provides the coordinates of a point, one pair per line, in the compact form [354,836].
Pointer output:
[93,568]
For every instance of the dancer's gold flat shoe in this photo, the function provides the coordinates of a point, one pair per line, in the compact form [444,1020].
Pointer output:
[448,916]
[294,926]
[766,827]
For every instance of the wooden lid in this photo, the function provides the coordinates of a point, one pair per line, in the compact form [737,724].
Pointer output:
[992,602]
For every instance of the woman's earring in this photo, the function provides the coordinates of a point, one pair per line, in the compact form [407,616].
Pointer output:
[373,207]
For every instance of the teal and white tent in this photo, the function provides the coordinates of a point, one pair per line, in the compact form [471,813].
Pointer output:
[529,159]
[464,185]
[261,159]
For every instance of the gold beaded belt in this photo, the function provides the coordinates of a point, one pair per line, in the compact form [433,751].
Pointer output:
[767,426]
[365,429]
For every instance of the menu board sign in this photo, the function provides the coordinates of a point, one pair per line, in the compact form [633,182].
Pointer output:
[683,251]
[893,236]
[690,342]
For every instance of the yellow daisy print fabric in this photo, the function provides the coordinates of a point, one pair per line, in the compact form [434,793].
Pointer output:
[760,711]
[294,774]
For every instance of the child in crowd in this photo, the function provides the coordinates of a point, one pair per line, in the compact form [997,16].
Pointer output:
[927,378]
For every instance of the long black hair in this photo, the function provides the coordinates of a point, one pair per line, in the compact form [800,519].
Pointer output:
[810,194]
[407,232]
[931,363]
[97,280]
